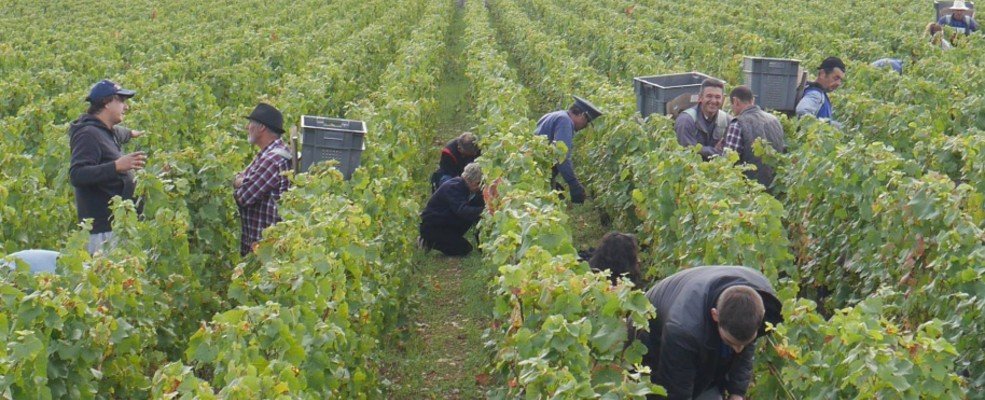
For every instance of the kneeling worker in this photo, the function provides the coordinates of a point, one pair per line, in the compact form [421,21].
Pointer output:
[702,342]
[454,208]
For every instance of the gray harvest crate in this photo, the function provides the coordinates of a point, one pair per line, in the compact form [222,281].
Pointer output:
[653,92]
[941,8]
[324,138]
[773,81]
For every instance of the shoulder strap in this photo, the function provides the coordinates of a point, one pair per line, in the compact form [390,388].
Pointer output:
[691,112]
[448,152]
[282,152]
[722,118]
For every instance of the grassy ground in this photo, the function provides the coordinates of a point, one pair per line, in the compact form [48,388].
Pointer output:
[438,352]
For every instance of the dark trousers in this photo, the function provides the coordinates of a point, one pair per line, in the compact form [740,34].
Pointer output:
[449,240]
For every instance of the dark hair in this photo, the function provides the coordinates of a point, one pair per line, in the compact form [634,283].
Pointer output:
[742,92]
[829,64]
[715,83]
[618,254]
[740,312]
[98,105]
[574,109]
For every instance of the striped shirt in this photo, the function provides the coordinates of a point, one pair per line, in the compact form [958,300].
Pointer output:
[733,136]
[262,186]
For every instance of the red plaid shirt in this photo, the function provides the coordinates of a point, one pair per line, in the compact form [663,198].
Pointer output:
[262,186]
[733,136]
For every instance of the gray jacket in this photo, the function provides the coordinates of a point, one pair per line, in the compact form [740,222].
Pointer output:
[693,129]
[755,124]
[686,353]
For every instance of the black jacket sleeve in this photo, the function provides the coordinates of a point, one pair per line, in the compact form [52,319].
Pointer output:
[740,373]
[677,365]
[122,133]
[458,202]
[85,168]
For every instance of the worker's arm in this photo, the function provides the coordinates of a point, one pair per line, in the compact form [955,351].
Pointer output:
[740,374]
[733,136]
[460,203]
[258,182]
[122,133]
[566,134]
[687,135]
[810,104]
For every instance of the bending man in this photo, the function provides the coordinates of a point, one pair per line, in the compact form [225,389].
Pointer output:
[702,342]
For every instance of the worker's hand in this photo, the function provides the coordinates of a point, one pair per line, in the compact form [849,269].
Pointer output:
[735,397]
[135,160]
[136,134]
[577,193]
[238,181]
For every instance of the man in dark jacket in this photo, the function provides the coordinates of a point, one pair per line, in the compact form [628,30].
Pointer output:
[751,123]
[561,126]
[458,153]
[454,208]
[99,170]
[702,342]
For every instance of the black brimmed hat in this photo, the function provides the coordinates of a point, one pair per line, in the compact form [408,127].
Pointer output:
[586,106]
[269,116]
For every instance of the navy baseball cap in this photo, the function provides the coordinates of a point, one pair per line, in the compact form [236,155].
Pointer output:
[106,88]
[586,106]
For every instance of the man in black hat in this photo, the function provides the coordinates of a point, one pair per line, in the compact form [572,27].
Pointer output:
[815,101]
[702,341]
[99,170]
[260,186]
[561,126]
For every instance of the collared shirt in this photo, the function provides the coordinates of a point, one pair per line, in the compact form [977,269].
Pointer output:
[262,186]
[733,136]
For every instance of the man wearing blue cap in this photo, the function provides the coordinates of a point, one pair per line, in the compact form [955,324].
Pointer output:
[259,187]
[99,170]
[561,126]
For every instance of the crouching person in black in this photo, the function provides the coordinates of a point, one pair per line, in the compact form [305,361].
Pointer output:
[454,208]
[702,342]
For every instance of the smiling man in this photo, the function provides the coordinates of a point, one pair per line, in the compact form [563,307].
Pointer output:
[702,342]
[99,170]
[704,124]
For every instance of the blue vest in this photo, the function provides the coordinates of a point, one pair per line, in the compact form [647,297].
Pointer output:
[966,25]
[826,110]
